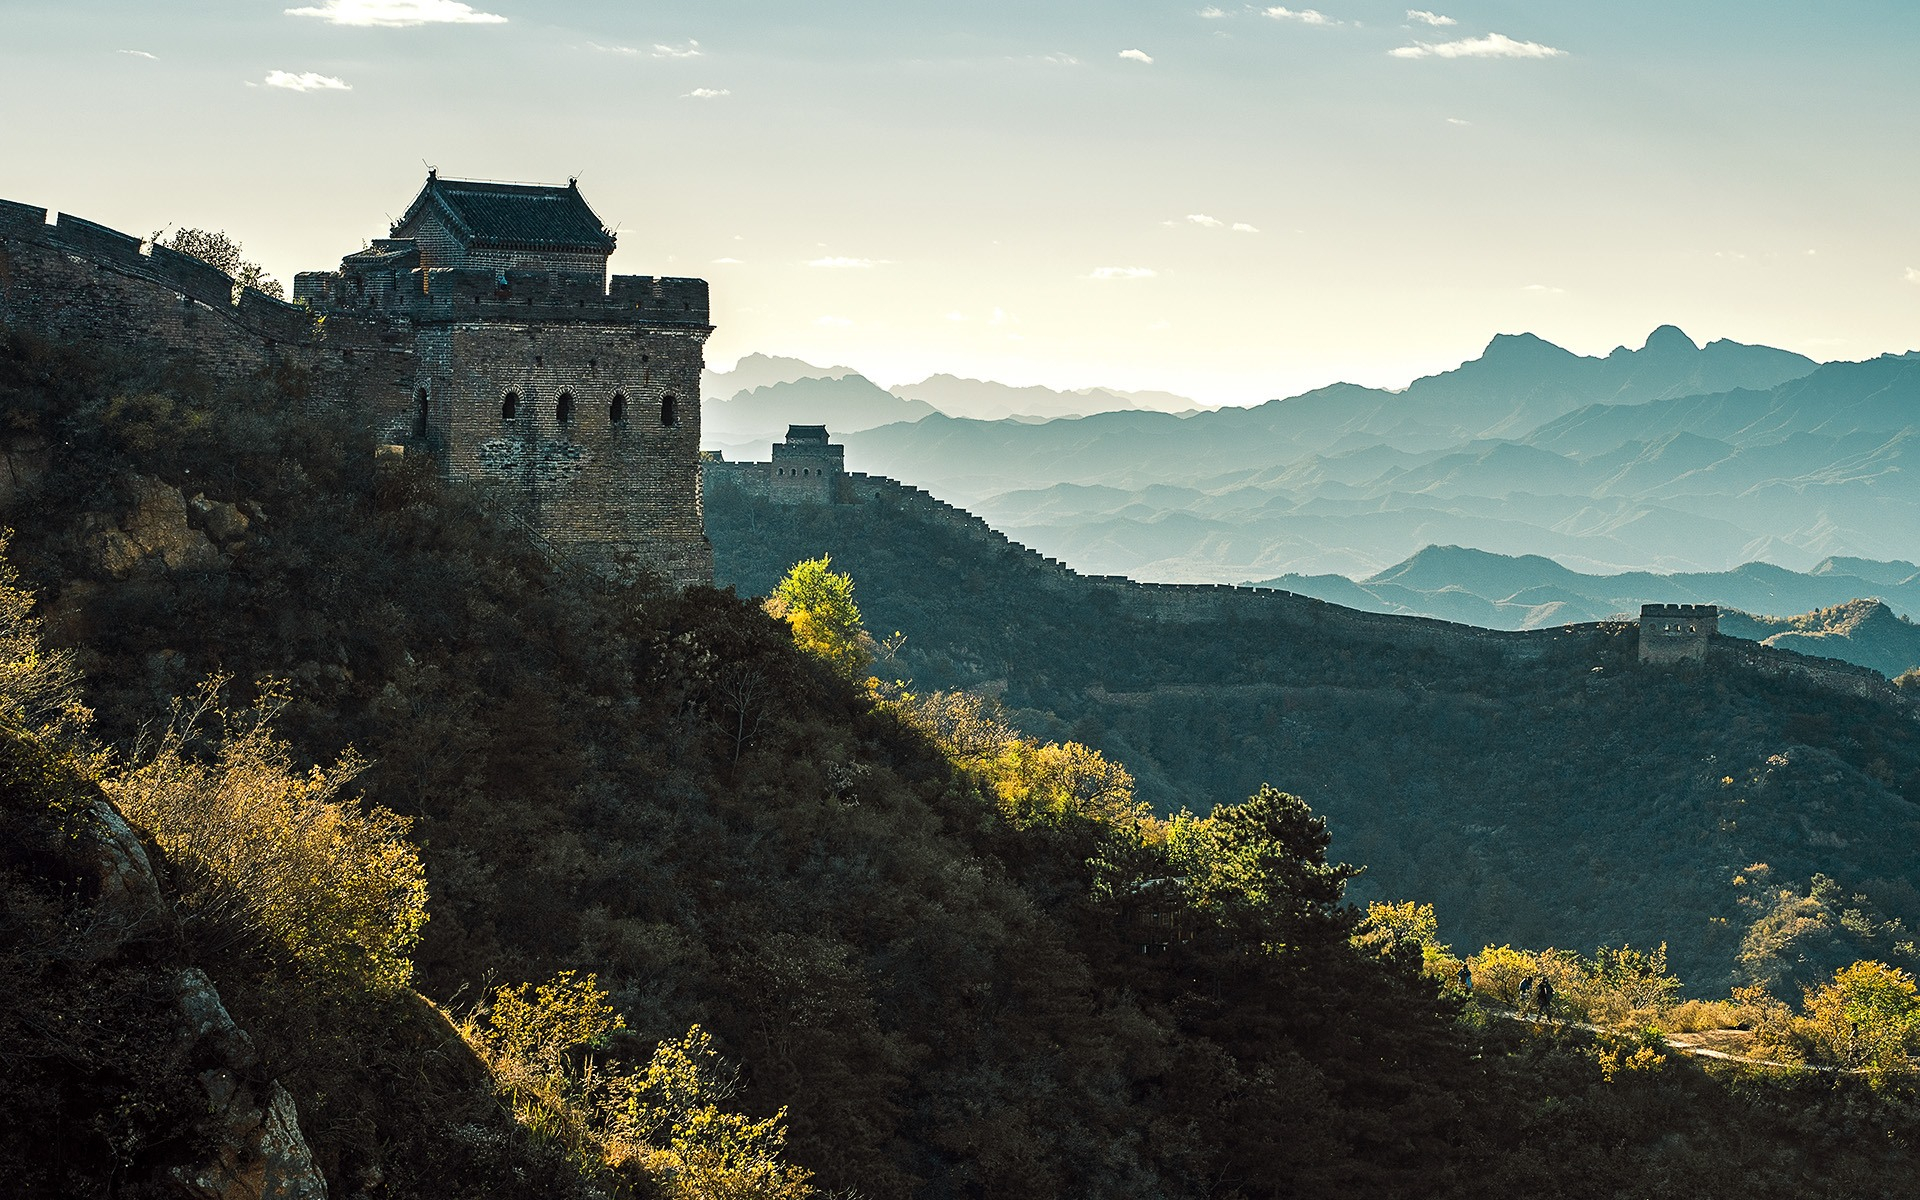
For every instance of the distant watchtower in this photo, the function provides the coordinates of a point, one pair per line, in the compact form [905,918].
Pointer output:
[1677,632]
[806,466]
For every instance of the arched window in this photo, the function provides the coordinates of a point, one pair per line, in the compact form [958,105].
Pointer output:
[563,409]
[510,407]
[420,413]
[617,411]
[669,414]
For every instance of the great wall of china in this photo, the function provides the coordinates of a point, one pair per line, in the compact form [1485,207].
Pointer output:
[74,280]
[1206,603]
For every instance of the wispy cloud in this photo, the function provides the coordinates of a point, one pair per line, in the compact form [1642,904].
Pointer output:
[1457,121]
[614,49]
[1105,273]
[1494,45]
[1306,16]
[1059,60]
[1429,18]
[1139,56]
[709,93]
[141,54]
[393,13]
[690,50]
[846,264]
[1212,14]
[1913,274]
[306,81]
[1211,222]
[1541,289]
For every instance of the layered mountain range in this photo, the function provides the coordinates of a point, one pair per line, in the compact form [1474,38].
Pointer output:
[754,402]
[1670,458]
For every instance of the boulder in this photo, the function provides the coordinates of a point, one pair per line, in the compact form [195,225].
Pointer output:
[259,1152]
[156,527]
[223,522]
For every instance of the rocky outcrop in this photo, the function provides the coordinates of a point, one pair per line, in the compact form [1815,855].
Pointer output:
[256,1150]
[163,530]
[259,1152]
[136,1026]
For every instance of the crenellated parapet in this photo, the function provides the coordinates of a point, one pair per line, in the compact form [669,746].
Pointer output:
[1671,633]
[90,247]
[422,294]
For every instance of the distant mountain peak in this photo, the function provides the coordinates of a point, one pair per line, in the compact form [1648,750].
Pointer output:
[799,367]
[1531,345]
[1669,338]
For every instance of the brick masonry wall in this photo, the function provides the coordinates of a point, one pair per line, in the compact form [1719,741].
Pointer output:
[75,283]
[753,478]
[1676,633]
[806,472]
[625,485]
[1833,674]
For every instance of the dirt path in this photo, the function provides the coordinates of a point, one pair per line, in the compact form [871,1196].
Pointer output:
[1680,1043]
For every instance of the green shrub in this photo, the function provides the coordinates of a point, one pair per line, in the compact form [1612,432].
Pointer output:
[664,1126]
[1867,1017]
[39,688]
[280,858]
[1697,1016]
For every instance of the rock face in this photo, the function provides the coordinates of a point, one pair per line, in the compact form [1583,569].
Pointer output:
[223,522]
[248,1144]
[163,530]
[158,527]
[260,1153]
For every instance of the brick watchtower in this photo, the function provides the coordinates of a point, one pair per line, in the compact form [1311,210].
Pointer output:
[1677,632]
[534,371]
[806,466]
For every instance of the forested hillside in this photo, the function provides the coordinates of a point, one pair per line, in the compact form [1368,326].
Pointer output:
[656,842]
[1578,799]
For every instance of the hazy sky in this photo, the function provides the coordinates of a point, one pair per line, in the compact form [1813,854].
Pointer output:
[1226,201]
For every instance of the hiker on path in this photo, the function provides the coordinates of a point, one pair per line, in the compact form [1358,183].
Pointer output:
[1543,996]
[1526,994]
[1465,979]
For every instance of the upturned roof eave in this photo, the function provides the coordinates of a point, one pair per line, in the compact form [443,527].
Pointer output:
[434,193]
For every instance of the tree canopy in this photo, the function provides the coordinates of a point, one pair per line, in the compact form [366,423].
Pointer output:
[217,250]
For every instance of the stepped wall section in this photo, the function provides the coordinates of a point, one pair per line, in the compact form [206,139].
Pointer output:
[78,281]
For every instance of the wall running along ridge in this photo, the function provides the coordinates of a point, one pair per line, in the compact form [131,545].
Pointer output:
[610,490]
[1197,603]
